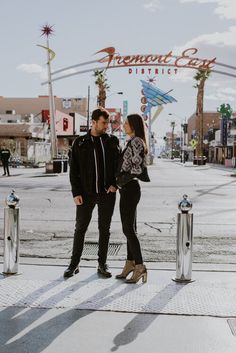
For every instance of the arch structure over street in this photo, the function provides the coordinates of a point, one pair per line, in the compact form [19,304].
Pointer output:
[113,60]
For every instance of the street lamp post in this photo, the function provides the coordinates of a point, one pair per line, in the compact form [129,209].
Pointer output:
[172,124]
[114,93]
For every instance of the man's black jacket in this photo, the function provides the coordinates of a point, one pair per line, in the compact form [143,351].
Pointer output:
[5,154]
[82,169]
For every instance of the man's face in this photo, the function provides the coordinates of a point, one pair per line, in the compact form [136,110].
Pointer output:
[101,125]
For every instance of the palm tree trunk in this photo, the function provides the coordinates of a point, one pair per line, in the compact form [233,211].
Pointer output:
[101,97]
[101,82]
[201,77]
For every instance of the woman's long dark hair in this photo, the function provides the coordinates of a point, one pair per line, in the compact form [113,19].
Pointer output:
[137,125]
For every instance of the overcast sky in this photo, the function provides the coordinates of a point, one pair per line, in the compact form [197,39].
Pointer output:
[132,27]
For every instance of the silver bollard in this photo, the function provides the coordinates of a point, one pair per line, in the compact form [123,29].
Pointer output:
[184,252]
[11,235]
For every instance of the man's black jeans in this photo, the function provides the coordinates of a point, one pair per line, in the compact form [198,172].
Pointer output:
[129,198]
[105,203]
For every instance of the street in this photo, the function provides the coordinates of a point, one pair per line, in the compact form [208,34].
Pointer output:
[47,213]
[160,316]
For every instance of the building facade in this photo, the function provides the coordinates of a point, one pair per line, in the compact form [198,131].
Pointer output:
[25,126]
[35,106]
[218,137]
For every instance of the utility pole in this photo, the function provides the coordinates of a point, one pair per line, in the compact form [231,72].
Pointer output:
[47,31]
[88,108]
[51,109]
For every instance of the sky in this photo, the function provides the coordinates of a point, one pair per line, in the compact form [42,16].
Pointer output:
[131,26]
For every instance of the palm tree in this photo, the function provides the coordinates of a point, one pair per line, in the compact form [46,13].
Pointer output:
[201,76]
[103,87]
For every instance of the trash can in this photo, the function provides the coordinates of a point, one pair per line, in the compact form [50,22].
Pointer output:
[57,166]
[199,160]
[65,165]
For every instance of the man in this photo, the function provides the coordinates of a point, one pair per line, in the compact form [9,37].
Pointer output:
[5,155]
[94,162]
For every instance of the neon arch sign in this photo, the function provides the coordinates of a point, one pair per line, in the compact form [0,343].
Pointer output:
[114,60]
[185,60]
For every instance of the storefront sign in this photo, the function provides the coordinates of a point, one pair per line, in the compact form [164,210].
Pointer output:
[125,109]
[224,131]
[83,128]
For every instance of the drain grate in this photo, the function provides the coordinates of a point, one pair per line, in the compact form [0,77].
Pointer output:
[232,325]
[91,249]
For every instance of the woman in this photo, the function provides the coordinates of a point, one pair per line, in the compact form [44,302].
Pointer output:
[132,168]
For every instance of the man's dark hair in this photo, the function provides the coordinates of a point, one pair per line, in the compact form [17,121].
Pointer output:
[97,113]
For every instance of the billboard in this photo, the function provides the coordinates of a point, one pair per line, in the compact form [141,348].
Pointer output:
[115,118]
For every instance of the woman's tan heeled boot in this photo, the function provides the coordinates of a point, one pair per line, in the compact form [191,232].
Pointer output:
[140,271]
[129,267]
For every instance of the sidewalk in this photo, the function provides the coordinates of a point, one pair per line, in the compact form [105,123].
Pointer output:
[44,313]
[206,166]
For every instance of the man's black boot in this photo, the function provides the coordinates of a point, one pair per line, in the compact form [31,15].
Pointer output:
[71,271]
[103,271]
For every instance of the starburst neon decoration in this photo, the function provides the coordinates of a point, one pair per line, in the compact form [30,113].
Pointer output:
[47,30]
[151,79]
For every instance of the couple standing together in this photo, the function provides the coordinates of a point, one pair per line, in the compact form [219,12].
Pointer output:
[98,168]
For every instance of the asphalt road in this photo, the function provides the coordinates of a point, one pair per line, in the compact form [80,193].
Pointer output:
[47,213]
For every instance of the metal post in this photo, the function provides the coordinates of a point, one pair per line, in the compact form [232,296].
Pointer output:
[181,144]
[172,124]
[149,158]
[149,131]
[184,249]
[11,235]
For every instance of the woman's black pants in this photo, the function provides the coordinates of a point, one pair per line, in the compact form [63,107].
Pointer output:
[129,198]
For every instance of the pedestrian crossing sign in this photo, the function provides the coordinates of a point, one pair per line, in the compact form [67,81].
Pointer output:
[193,143]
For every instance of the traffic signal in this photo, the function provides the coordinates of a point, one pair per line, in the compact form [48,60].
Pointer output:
[185,128]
